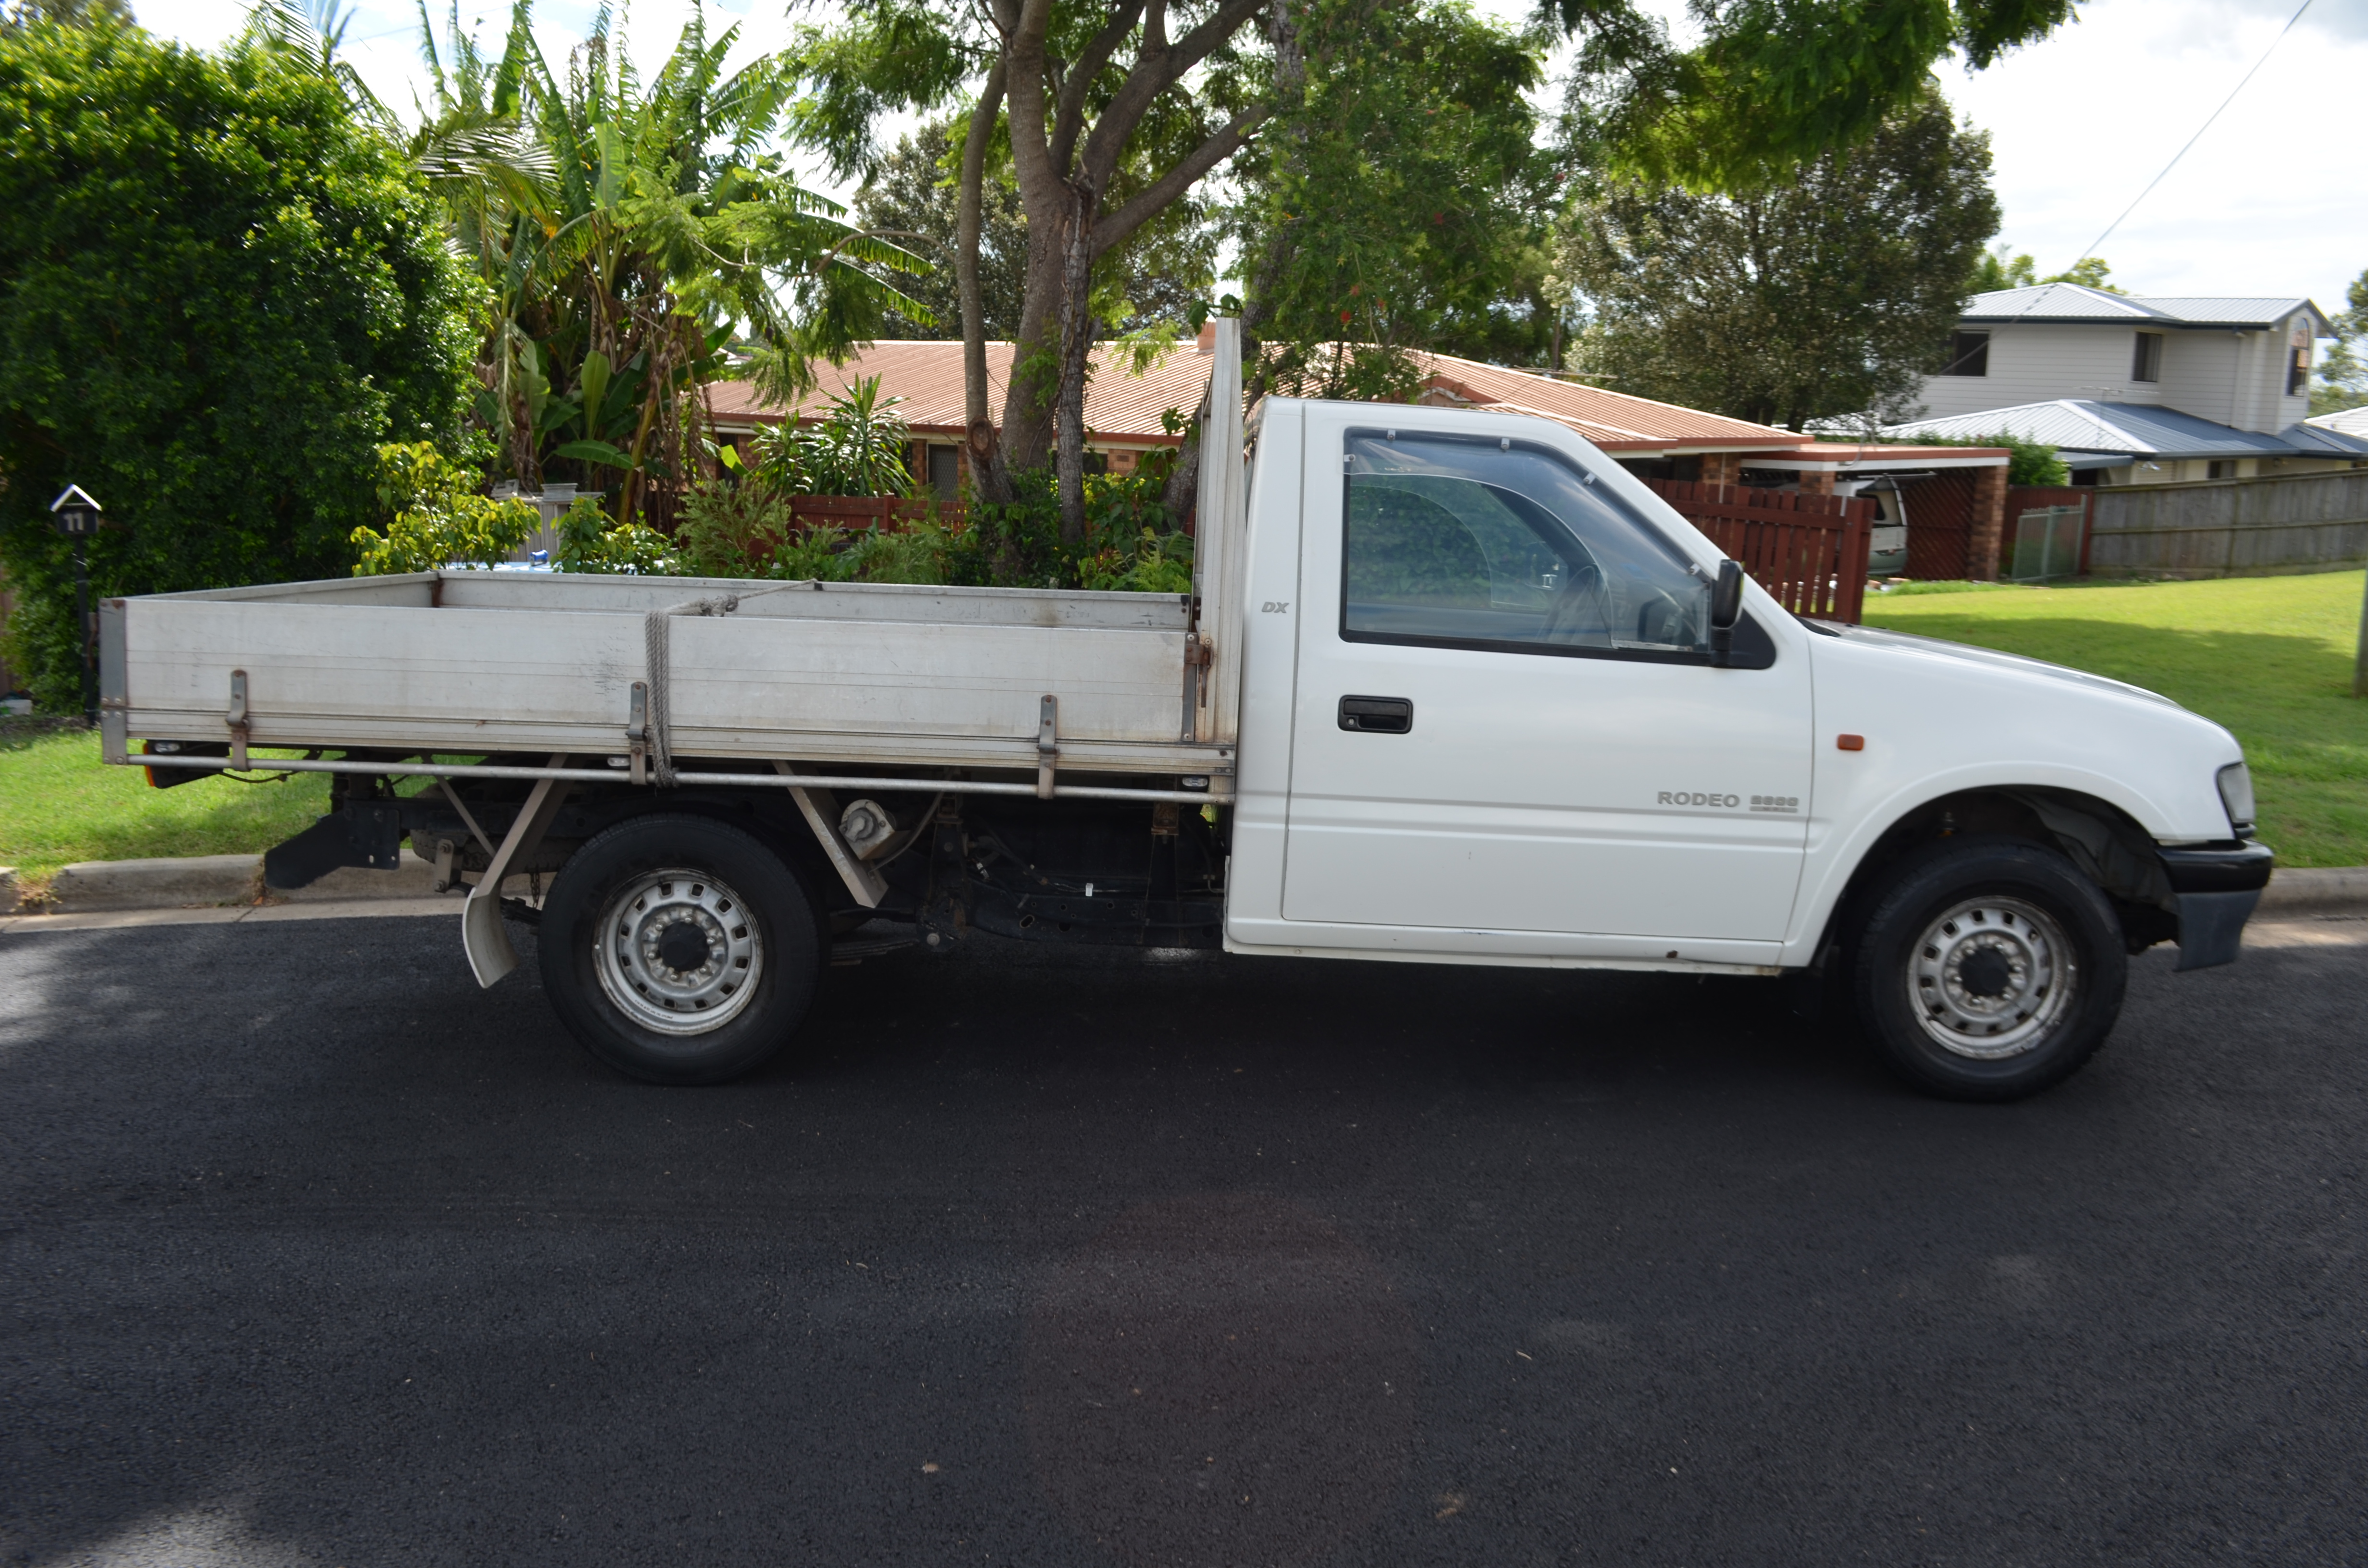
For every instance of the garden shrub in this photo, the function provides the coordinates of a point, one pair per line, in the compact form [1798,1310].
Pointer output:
[219,295]
[437,518]
[590,541]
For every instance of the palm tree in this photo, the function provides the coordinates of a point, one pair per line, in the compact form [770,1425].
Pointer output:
[629,232]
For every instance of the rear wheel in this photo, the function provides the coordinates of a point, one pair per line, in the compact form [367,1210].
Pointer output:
[1988,968]
[679,950]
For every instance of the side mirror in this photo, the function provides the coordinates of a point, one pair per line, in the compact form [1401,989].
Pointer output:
[1726,609]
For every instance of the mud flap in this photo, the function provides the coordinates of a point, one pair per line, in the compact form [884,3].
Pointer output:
[2212,926]
[481,934]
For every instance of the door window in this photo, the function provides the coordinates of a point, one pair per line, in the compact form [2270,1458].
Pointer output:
[1488,543]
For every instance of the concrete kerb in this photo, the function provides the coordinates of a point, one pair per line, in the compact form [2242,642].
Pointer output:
[230,883]
[2339,890]
[163,883]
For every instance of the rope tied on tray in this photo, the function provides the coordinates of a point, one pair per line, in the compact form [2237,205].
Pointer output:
[657,655]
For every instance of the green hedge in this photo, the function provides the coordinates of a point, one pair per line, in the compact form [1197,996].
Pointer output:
[218,295]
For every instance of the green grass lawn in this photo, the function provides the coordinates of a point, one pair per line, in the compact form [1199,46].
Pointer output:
[59,804]
[2270,657]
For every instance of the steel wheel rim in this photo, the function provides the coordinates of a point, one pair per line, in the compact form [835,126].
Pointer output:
[1990,977]
[649,925]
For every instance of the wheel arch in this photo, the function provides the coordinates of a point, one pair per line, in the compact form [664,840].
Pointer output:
[758,814]
[2104,842]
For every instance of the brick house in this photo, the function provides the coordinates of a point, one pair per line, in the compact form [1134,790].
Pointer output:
[1962,493]
[1123,409]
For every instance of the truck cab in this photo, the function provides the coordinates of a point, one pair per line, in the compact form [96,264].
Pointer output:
[1483,721]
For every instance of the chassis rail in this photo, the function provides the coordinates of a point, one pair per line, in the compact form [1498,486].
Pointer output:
[617,776]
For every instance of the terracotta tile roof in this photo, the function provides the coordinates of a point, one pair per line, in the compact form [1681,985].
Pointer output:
[1123,407]
[1119,405]
[1613,421]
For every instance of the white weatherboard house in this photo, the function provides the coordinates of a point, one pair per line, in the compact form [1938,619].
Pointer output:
[2346,422]
[2138,389]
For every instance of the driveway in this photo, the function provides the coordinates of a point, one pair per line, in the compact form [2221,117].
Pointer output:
[311,1253]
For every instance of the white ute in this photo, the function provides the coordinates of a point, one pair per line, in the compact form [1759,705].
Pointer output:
[1454,688]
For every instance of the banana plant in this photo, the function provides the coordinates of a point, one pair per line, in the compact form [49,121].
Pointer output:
[627,231]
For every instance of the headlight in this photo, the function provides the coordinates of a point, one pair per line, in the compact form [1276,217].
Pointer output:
[2236,794]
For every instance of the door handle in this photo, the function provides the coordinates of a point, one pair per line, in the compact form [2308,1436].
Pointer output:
[1377,715]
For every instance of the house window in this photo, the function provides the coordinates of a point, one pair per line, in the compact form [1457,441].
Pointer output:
[1969,354]
[2298,369]
[945,472]
[2220,469]
[2145,360]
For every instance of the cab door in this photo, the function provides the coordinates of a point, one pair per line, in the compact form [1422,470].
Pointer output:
[1507,714]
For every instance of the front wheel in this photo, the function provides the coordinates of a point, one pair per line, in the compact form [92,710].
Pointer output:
[679,950]
[1988,968]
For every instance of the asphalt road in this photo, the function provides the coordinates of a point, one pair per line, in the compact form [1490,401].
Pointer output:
[309,1252]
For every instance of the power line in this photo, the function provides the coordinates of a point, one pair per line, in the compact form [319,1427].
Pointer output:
[2098,244]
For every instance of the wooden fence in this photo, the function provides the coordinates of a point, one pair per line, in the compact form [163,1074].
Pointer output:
[2231,527]
[1808,550]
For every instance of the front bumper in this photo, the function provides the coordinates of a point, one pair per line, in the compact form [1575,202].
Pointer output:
[2216,888]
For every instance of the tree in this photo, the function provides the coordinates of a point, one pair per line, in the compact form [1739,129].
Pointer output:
[2341,379]
[2000,269]
[1108,122]
[19,15]
[626,229]
[1818,298]
[910,196]
[218,295]
[1405,207]
[2089,271]
[1772,83]
[1114,112]
[1151,282]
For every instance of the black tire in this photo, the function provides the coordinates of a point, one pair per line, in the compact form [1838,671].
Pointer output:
[685,890]
[1988,968]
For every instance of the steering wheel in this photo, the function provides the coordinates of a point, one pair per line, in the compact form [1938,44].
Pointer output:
[1563,621]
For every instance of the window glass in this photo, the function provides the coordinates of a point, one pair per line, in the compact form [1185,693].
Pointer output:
[945,472]
[1969,355]
[1476,542]
[2146,359]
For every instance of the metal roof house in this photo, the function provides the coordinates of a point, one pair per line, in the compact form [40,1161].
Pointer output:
[2171,387]
[2345,422]
[2129,443]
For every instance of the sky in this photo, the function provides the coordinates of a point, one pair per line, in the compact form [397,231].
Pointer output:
[2267,203]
